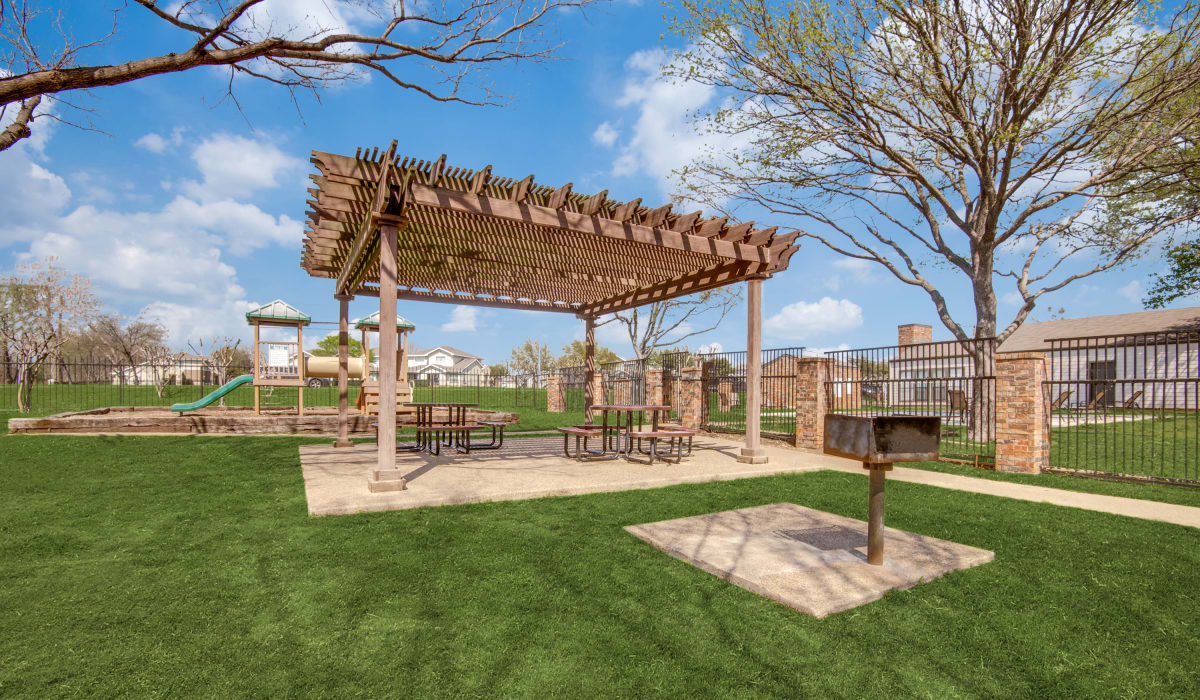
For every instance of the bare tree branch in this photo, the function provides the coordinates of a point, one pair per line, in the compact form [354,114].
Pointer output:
[447,45]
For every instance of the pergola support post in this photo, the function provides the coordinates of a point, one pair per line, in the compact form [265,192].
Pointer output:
[753,452]
[386,476]
[589,366]
[343,438]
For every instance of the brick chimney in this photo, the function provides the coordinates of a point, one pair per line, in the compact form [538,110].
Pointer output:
[913,333]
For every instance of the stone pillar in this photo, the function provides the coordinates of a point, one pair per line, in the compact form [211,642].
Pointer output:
[753,453]
[555,401]
[811,401]
[691,404]
[654,387]
[343,438]
[1022,421]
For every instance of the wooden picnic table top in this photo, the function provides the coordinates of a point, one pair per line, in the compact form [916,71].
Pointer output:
[630,407]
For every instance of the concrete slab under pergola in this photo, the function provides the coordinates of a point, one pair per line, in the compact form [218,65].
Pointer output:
[401,228]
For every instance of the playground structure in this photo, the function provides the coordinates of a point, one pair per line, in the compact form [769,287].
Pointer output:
[368,395]
[283,362]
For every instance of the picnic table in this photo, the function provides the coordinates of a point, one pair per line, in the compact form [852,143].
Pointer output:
[455,431]
[624,419]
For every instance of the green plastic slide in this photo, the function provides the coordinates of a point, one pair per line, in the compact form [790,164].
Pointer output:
[214,396]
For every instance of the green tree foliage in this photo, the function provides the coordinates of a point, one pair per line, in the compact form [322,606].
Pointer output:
[573,355]
[1020,141]
[531,356]
[328,347]
[1181,279]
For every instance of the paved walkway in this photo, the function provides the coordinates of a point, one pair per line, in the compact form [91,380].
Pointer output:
[1131,507]
[335,480]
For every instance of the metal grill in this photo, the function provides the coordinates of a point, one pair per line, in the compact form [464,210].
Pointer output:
[1126,405]
[952,379]
[723,389]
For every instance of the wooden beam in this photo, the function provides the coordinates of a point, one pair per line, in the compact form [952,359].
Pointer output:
[465,300]
[366,232]
[579,223]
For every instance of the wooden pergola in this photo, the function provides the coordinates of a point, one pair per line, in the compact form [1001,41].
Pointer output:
[401,228]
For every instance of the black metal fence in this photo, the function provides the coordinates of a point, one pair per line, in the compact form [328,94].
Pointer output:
[952,379]
[723,389]
[1126,405]
[87,383]
[624,382]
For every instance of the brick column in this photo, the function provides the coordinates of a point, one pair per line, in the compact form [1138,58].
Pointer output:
[555,402]
[1022,422]
[598,389]
[654,387]
[691,405]
[811,401]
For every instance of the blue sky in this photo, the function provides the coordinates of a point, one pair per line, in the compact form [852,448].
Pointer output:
[191,210]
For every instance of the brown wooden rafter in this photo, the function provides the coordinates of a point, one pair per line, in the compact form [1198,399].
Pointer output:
[474,238]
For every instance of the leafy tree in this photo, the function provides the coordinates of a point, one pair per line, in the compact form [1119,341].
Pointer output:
[497,370]
[328,347]
[531,357]
[1182,278]
[991,140]
[574,355]
[435,49]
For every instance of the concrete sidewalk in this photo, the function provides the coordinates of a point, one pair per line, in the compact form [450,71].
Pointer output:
[1130,507]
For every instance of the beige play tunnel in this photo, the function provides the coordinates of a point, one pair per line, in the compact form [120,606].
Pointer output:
[327,367]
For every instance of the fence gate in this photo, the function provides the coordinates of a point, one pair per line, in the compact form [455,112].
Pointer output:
[1126,405]
[723,391]
[952,379]
[624,382]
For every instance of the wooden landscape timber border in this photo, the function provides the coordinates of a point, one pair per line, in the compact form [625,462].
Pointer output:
[459,236]
[212,421]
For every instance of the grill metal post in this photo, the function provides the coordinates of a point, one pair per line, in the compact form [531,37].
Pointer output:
[878,474]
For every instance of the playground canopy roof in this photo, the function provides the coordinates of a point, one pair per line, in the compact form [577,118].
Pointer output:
[279,311]
[371,322]
[466,237]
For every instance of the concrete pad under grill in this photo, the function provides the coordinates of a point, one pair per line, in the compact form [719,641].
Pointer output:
[809,560]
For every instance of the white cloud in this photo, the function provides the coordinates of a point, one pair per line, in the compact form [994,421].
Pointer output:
[234,166]
[31,196]
[156,143]
[801,320]
[711,348]
[663,137]
[605,134]
[820,352]
[462,318]
[1011,298]
[1134,291]
[170,260]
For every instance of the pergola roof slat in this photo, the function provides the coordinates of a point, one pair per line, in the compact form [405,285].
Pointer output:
[473,237]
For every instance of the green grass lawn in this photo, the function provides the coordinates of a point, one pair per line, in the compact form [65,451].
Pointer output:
[188,566]
[1161,444]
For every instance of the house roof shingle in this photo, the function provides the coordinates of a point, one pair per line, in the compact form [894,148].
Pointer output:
[1033,336]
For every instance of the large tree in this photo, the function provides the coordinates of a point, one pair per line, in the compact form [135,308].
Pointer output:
[436,49]
[41,306]
[531,357]
[665,324]
[988,139]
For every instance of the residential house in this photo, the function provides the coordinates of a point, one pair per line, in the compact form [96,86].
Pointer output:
[445,366]
[1095,361]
